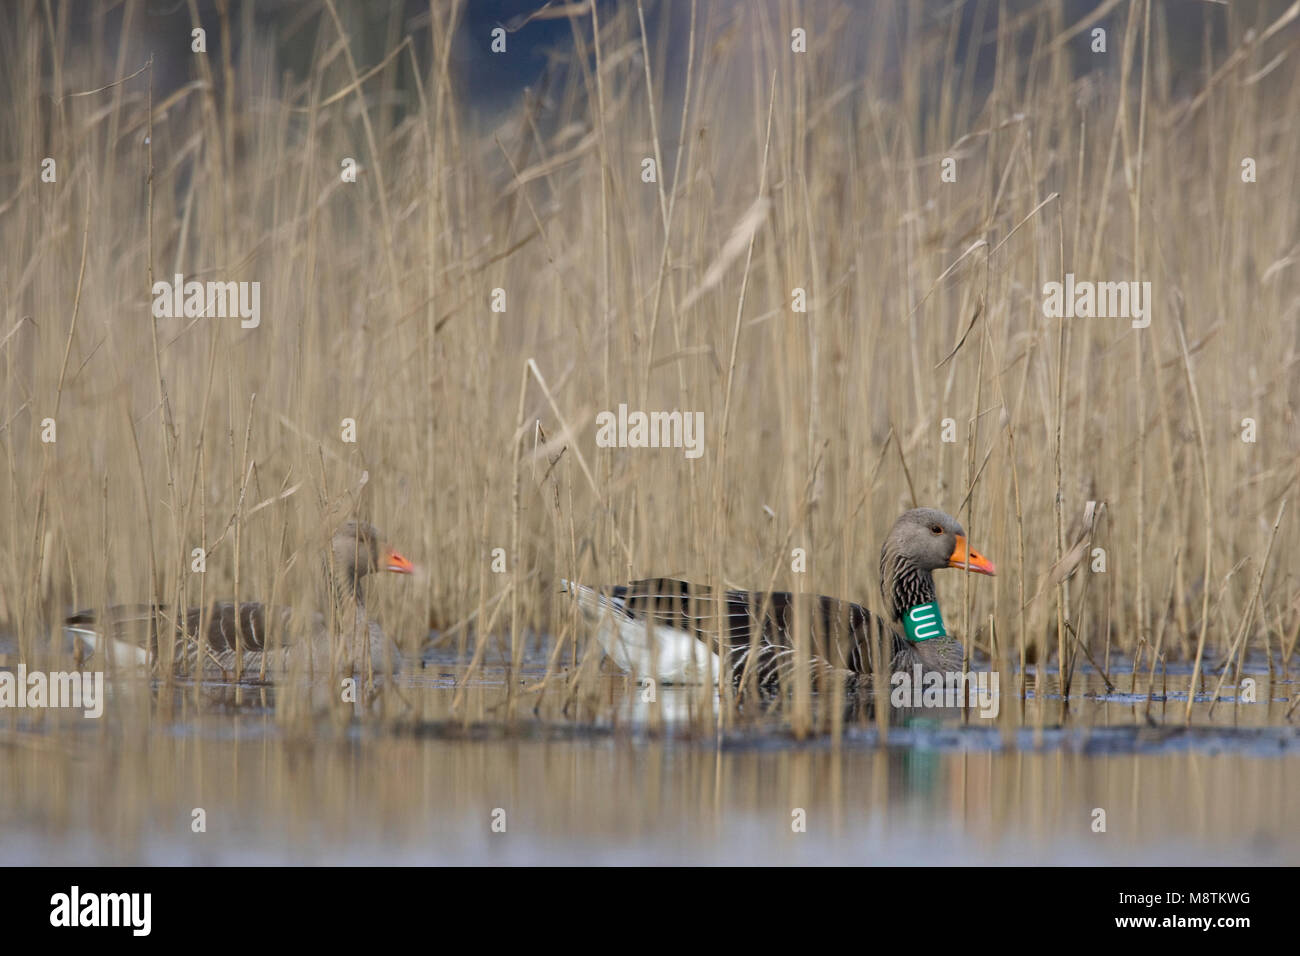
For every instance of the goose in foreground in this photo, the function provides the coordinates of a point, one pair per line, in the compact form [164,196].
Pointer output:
[677,632]
[129,633]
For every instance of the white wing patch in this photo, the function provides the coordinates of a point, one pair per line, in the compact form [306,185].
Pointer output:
[123,653]
[667,654]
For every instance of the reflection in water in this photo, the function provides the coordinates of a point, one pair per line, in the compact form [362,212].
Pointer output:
[625,779]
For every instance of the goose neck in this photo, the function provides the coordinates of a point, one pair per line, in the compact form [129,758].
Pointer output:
[909,591]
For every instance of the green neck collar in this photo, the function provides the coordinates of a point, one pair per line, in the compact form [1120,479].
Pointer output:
[923,622]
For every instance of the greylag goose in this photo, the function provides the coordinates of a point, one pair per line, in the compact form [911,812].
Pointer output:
[129,633]
[669,629]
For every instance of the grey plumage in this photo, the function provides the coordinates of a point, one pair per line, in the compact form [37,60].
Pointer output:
[258,636]
[753,633]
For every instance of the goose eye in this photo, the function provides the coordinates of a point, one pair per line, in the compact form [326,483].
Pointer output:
[936,529]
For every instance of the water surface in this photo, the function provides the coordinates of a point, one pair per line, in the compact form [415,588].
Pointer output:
[611,778]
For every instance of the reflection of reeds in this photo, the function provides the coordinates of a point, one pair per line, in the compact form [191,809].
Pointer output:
[816,171]
[425,798]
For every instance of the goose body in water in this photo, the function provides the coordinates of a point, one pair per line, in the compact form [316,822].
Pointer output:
[677,632]
[129,633]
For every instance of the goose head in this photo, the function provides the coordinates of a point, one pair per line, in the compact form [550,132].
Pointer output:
[923,541]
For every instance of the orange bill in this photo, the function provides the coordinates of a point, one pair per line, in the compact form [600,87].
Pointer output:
[964,557]
[395,562]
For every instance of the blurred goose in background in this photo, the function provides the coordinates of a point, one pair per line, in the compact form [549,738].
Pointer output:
[129,633]
[675,632]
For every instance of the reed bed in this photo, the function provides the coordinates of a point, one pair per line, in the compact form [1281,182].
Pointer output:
[775,171]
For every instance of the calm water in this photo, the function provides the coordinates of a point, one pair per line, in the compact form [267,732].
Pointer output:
[612,779]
